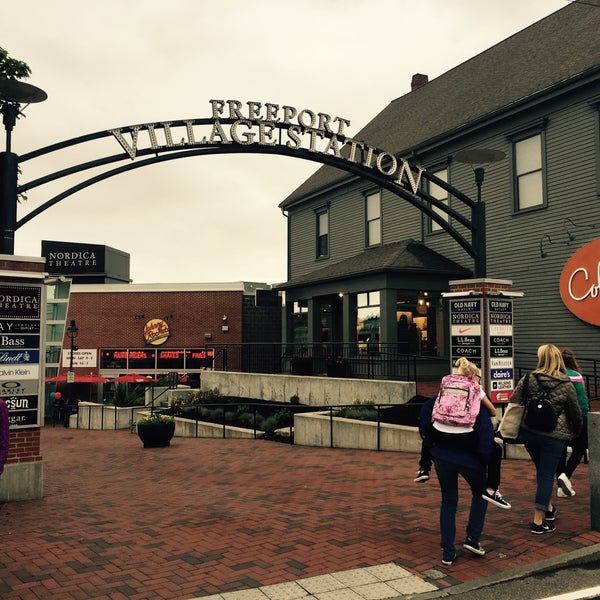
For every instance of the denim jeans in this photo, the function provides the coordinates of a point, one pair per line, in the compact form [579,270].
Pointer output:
[545,453]
[447,474]
[579,445]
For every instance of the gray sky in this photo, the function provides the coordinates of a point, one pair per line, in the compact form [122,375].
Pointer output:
[215,219]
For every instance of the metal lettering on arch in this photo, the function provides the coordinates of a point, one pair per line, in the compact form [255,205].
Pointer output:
[266,128]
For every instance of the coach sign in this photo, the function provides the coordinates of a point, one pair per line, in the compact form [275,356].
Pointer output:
[580,283]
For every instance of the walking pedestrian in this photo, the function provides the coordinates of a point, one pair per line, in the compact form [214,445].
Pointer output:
[548,383]
[467,454]
[494,468]
[578,444]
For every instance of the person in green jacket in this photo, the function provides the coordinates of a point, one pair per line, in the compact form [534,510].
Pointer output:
[578,444]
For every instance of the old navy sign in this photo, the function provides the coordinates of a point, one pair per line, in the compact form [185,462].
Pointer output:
[580,283]
[266,124]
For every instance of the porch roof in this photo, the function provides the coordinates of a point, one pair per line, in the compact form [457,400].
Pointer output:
[407,256]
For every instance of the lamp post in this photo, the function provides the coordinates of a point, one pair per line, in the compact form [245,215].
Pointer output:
[72,331]
[477,157]
[13,93]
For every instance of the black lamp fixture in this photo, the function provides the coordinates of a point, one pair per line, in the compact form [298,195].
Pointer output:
[479,158]
[549,240]
[569,222]
[72,332]
[13,94]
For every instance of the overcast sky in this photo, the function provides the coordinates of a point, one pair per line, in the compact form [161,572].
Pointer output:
[216,219]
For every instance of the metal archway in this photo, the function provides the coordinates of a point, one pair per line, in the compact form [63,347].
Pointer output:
[247,135]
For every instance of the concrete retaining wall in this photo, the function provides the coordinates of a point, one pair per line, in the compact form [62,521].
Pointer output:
[314,429]
[202,429]
[99,417]
[310,390]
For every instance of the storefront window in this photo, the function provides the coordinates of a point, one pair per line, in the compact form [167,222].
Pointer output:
[368,312]
[55,333]
[300,322]
[420,322]
[58,290]
[56,311]
[170,360]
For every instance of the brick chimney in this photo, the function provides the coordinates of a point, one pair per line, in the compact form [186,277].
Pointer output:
[418,80]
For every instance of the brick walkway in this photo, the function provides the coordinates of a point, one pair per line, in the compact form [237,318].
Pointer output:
[211,516]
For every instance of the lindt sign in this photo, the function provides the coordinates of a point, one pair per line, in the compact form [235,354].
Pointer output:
[580,283]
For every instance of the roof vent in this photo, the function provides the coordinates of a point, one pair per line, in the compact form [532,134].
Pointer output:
[418,80]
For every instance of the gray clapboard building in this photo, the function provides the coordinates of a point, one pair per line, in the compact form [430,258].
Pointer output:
[367,269]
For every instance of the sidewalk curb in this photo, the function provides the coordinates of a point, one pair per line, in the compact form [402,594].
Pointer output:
[570,559]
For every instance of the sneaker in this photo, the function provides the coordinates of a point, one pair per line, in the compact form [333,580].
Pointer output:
[565,485]
[561,494]
[473,547]
[448,561]
[545,527]
[551,514]
[422,475]
[496,498]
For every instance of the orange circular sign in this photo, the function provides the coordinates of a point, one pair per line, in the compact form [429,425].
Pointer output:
[156,332]
[580,283]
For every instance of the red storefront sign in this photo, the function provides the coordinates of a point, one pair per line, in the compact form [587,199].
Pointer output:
[580,283]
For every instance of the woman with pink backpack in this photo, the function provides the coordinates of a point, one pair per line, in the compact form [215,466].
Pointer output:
[460,438]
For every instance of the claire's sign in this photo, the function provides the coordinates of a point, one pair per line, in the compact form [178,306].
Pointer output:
[580,283]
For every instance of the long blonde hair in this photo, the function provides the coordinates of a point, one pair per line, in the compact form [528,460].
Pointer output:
[467,368]
[550,361]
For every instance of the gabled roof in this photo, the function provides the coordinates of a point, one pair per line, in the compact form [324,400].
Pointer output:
[407,256]
[552,51]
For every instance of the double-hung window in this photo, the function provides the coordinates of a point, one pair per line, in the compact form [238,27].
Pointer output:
[528,153]
[322,233]
[373,218]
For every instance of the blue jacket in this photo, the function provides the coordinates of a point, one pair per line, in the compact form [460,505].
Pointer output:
[470,450]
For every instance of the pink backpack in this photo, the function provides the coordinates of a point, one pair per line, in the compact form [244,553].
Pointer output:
[458,401]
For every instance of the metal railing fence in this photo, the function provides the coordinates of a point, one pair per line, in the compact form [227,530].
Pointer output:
[246,415]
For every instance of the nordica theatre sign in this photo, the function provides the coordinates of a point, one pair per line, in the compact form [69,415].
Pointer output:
[270,125]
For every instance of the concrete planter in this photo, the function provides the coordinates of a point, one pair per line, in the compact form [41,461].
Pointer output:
[156,435]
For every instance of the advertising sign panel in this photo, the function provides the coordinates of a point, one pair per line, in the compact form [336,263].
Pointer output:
[20,352]
[465,329]
[580,282]
[501,352]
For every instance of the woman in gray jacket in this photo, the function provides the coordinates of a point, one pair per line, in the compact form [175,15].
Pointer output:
[546,447]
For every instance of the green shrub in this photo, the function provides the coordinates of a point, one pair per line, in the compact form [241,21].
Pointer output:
[363,411]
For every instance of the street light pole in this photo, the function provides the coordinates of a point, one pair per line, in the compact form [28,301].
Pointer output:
[479,157]
[72,331]
[13,93]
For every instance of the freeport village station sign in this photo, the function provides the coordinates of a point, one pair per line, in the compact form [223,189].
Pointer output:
[252,127]
[272,125]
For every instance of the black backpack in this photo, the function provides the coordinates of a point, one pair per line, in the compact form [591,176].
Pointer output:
[539,411]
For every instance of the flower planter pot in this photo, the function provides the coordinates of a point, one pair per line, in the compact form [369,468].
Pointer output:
[338,370]
[156,435]
[302,366]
